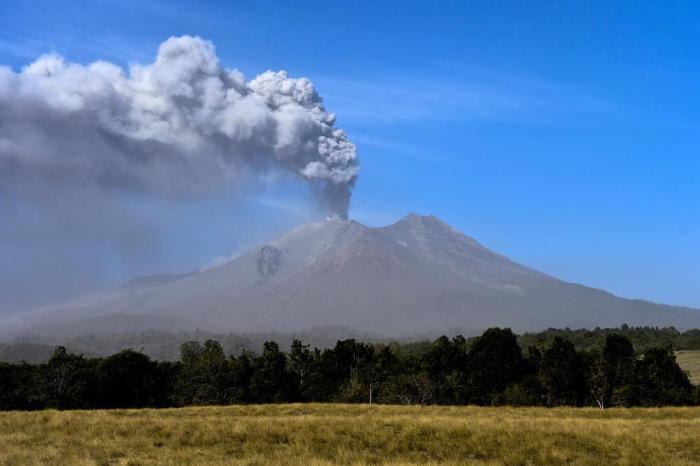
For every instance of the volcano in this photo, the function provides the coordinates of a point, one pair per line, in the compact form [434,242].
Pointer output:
[418,275]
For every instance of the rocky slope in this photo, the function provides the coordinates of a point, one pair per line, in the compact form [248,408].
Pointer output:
[415,276]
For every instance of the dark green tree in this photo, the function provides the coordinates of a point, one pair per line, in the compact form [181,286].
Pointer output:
[301,364]
[69,380]
[272,382]
[659,381]
[20,387]
[446,364]
[528,391]
[336,368]
[205,377]
[494,362]
[612,372]
[128,379]
[241,374]
[561,374]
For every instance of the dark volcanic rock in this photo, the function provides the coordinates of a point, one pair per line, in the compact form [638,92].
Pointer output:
[269,260]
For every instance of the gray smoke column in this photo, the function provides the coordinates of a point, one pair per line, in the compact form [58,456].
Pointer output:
[180,125]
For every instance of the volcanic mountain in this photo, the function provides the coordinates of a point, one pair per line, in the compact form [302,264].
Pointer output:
[417,275]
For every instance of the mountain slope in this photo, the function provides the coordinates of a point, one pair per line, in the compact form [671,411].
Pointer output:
[417,275]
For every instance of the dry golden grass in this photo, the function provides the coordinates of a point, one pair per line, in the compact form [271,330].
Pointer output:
[317,434]
[690,362]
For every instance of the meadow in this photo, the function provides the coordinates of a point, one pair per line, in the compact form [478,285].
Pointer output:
[689,360]
[320,434]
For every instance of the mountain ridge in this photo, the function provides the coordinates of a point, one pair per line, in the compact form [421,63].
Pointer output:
[418,274]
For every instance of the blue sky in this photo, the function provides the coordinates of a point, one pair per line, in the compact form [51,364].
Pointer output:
[562,134]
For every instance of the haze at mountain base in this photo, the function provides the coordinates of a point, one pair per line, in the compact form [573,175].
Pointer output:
[415,276]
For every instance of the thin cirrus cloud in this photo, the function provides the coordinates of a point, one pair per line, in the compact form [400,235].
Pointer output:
[465,95]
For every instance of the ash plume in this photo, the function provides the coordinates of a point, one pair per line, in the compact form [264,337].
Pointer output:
[180,126]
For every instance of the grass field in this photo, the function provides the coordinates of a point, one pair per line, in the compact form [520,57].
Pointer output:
[690,362]
[319,434]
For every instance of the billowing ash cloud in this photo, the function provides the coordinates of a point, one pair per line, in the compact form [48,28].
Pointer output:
[179,126]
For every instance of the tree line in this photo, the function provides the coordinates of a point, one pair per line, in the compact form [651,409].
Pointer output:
[642,338]
[162,345]
[491,369]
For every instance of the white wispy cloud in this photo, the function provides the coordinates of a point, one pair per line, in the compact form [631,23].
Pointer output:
[393,146]
[458,95]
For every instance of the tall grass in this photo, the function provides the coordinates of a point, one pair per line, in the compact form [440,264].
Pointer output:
[689,360]
[317,434]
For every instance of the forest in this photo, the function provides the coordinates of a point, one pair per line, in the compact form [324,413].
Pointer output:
[491,369]
[165,346]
